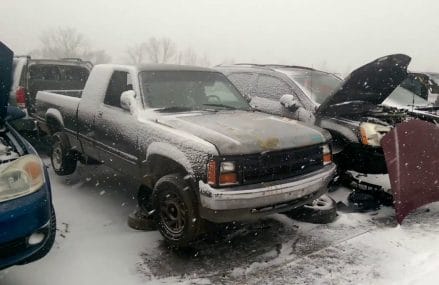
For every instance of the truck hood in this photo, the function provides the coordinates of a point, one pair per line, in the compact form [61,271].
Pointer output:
[6,57]
[366,86]
[242,132]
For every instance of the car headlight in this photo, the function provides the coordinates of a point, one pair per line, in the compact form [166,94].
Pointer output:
[222,173]
[371,134]
[21,177]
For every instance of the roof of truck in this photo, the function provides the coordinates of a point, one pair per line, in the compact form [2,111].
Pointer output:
[172,67]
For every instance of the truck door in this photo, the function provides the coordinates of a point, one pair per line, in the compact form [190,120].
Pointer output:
[116,136]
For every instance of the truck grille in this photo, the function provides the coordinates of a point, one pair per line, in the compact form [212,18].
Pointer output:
[278,165]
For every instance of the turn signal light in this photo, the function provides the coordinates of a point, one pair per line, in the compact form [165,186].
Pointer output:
[211,172]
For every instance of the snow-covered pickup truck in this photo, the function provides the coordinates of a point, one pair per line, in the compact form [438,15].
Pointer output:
[192,141]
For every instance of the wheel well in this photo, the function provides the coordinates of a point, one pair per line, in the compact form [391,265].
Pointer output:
[160,166]
[53,125]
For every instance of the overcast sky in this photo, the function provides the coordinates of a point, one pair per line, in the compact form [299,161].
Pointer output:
[336,35]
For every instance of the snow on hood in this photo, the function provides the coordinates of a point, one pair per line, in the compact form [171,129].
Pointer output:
[6,57]
[242,132]
[368,85]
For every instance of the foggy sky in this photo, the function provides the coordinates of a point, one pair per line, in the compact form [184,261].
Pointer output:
[333,35]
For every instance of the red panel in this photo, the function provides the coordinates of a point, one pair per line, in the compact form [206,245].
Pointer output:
[411,150]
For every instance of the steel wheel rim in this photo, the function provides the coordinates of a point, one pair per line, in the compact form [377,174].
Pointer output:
[173,213]
[318,203]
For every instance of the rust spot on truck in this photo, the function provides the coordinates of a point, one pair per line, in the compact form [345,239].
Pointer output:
[270,143]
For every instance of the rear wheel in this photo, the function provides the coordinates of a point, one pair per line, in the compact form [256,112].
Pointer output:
[63,160]
[176,210]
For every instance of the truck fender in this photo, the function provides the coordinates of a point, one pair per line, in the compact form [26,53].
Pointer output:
[171,152]
[55,115]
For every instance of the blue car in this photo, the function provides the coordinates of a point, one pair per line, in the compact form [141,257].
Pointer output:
[27,216]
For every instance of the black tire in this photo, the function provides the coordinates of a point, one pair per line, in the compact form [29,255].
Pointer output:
[49,242]
[176,211]
[63,160]
[323,210]
[364,200]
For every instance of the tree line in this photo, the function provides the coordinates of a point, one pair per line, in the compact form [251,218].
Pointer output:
[66,42]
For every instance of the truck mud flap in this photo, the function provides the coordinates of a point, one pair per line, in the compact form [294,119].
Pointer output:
[411,151]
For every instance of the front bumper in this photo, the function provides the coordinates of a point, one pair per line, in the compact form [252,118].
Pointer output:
[21,218]
[252,201]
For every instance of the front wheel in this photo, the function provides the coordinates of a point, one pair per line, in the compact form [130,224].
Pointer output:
[63,160]
[176,210]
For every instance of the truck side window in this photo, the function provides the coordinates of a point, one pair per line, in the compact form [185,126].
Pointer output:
[272,88]
[243,81]
[120,81]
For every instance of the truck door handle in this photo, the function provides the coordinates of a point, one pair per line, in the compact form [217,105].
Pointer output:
[100,114]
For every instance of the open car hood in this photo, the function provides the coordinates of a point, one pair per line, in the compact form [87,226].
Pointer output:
[6,57]
[366,86]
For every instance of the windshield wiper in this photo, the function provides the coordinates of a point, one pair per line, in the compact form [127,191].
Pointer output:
[220,105]
[174,109]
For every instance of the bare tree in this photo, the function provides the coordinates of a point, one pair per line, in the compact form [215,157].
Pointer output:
[190,57]
[187,56]
[68,42]
[136,53]
[168,50]
[161,50]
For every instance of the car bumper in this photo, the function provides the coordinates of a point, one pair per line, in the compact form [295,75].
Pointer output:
[16,251]
[23,218]
[252,201]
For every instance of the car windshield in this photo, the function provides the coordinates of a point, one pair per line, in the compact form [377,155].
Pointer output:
[317,85]
[413,91]
[402,97]
[190,90]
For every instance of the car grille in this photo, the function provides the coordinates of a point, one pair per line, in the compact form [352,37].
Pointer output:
[278,165]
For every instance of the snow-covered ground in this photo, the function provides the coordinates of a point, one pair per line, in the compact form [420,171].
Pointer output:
[94,245]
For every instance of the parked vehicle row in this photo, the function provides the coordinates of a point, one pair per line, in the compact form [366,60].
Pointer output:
[204,149]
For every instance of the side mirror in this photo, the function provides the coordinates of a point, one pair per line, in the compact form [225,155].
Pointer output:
[289,101]
[126,99]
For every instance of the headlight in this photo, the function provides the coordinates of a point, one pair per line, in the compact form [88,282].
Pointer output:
[327,154]
[21,177]
[371,134]
[222,173]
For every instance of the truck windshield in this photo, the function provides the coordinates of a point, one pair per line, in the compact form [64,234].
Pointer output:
[317,85]
[190,90]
